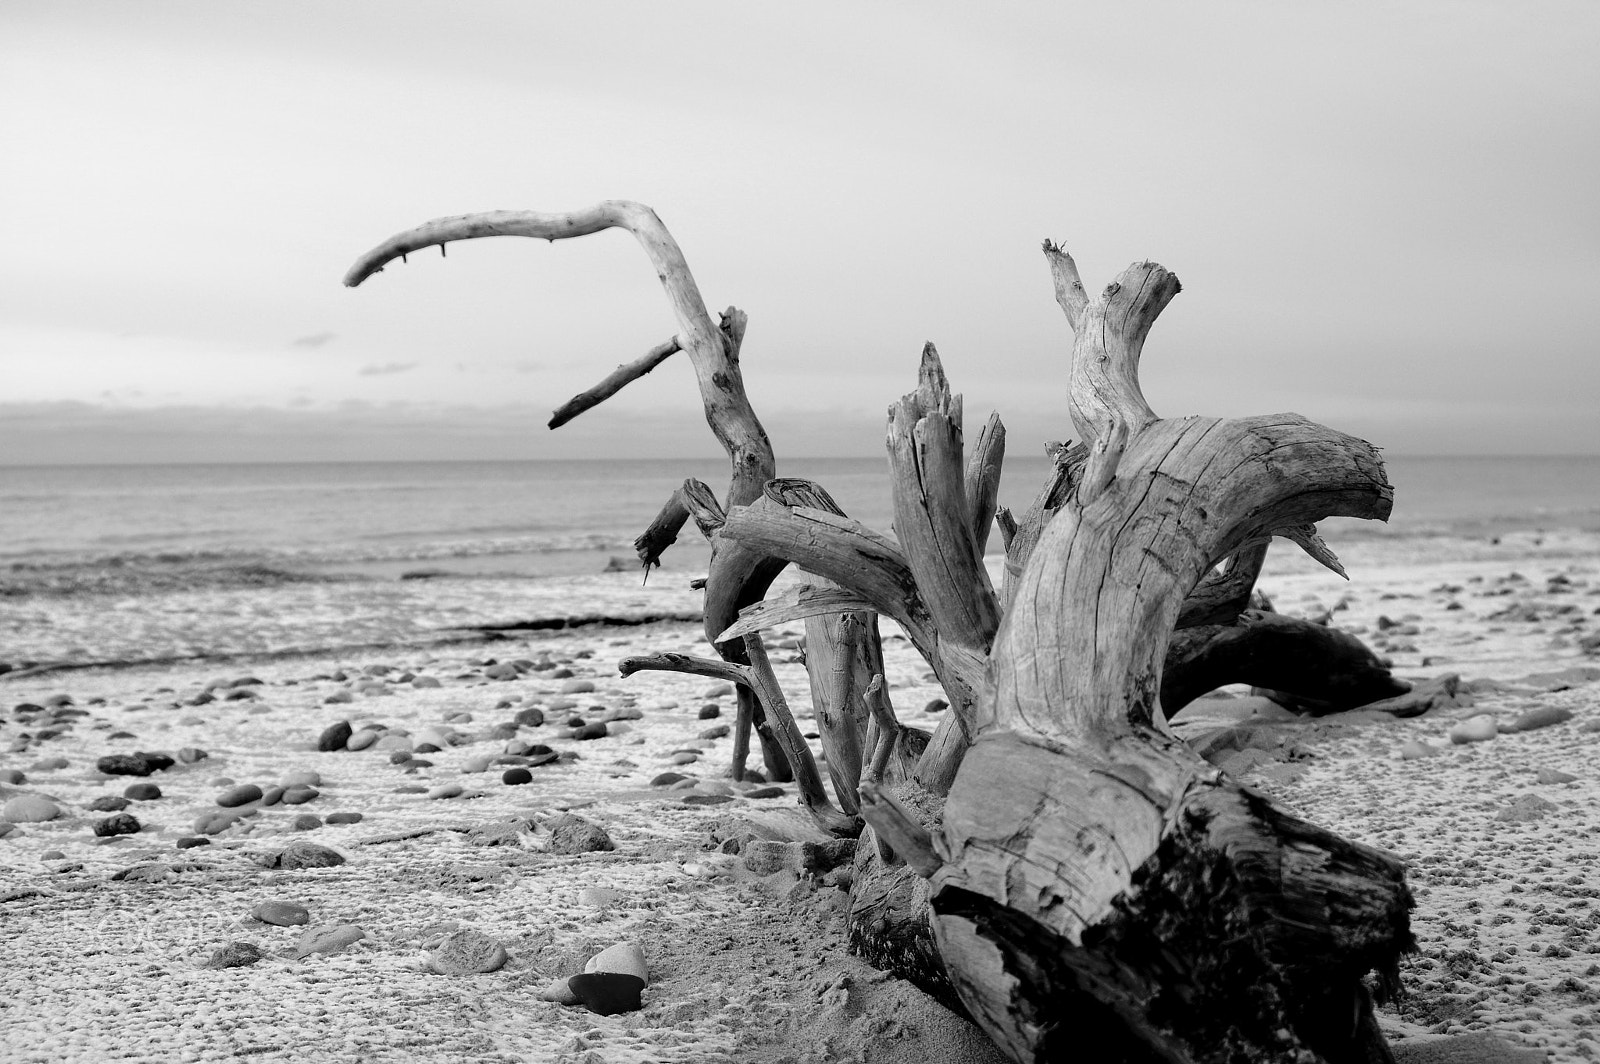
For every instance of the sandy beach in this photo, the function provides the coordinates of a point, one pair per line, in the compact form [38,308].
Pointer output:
[110,940]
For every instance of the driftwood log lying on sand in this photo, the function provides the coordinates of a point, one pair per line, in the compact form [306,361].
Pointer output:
[1052,860]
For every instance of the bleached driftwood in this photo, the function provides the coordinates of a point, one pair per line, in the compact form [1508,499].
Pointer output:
[1051,861]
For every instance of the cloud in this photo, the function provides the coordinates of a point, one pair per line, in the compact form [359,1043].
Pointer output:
[314,340]
[385,369]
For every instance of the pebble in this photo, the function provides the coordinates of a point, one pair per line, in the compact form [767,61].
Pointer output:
[302,855]
[560,992]
[577,687]
[501,671]
[666,779]
[599,897]
[50,764]
[446,790]
[1550,776]
[300,777]
[477,763]
[191,755]
[344,818]
[108,803]
[1415,748]
[573,834]
[624,713]
[710,711]
[339,696]
[516,776]
[607,993]
[125,765]
[623,958]
[30,809]
[299,795]
[239,794]
[721,690]
[1475,729]
[334,737]
[420,682]
[272,795]
[306,822]
[597,730]
[438,738]
[400,744]
[236,955]
[718,732]
[191,842]
[214,823]
[532,717]
[118,824]
[1539,717]
[142,792]
[281,913]
[707,799]
[684,757]
[327,938]
[362,739]
[936,705]
[13,776]
[1526,807]
[465,953]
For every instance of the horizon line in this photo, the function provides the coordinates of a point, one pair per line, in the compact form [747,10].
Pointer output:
[657,459]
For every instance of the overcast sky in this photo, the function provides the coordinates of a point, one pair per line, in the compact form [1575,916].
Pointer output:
[1384,216]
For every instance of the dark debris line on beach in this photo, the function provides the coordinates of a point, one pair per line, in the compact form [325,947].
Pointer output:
[466,634]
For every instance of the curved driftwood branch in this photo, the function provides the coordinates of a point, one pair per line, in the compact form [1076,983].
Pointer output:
[1102,600]
[711,347]
[736,578]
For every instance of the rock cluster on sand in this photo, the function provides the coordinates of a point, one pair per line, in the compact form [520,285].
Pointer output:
[281,913]
[612,981]
[133,764]
[464,952]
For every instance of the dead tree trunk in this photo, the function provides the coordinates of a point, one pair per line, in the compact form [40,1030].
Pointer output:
[1052,860]
[1087,871]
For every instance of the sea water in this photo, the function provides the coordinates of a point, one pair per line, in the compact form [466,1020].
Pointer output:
[549,518]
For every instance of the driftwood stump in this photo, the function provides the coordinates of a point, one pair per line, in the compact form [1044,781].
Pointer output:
[1052,861]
